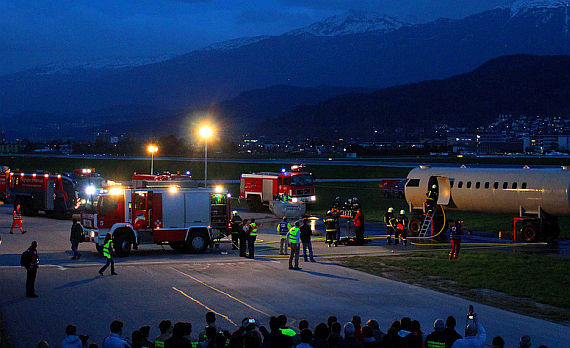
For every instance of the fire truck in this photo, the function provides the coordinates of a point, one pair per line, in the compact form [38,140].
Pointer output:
[4,184]
[163,180]
[187,219]
[88,184]
[52,193]
[260,188]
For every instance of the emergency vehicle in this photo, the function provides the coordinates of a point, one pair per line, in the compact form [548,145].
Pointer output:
[88,184]
[163,180]
[187,219]
[52,193]
[4,184]
[260,188]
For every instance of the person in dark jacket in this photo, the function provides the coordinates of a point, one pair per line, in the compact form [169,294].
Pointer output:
[436,339]
[236,227]
[243,235]
[178,340]
[450,333]
[368,339]
[275,338]
[306,233]
[320,334]
[349,340]
[75,238]
[31,263]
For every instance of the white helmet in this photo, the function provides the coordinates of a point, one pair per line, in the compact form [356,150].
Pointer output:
[402,212]
[390,210]
[434,186]
[350,200]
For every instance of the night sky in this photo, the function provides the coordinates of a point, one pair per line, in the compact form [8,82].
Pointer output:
[40,32]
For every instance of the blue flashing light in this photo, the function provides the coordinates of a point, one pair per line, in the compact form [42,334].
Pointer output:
[282,170]
[187,172]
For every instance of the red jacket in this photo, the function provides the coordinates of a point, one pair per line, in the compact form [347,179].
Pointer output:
[359,219]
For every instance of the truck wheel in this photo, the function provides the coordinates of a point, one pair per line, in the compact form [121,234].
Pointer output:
[99,249]
[198,243]
[122,244]
[529,232]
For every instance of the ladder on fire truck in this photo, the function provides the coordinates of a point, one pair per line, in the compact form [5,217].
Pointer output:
[427,222]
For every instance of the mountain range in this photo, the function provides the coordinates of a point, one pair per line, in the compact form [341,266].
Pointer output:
[350,51]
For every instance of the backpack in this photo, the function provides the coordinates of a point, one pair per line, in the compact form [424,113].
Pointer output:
[25,259]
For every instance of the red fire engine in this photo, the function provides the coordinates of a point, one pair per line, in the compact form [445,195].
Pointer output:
[295,185]
[4,184]
[187,219]
[52,193]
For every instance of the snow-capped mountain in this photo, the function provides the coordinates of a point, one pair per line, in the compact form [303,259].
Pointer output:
[235,43]
[351,22]
[108,63]
[523,6]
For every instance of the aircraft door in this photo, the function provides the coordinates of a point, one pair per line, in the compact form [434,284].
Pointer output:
[444,188]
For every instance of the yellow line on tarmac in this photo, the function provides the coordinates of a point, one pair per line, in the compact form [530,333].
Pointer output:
[203,305]
[224,293]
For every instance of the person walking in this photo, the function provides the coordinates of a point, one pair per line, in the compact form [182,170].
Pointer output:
[31,261]
[243,234]
[306,233]
[236,227]
[251,239]
[390,220]
[282,228]
[359,226]
[107,252]
[402,226]
[75,238]
[330,228]
[17,220]
[455,233]
[294,238]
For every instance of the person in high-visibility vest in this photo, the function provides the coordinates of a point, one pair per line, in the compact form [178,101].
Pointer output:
[17,220]
[431,198]
[402,226]
[251,239]
[330,228]
[455,233]
[294,238]
[389,220]
[282,228]
[107,251]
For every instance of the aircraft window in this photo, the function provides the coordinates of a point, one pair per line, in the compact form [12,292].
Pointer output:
[505,185]
[496,185]
[460,185]
[487,185]
[514,186]
[413,183]
[477,184]
[468,184]
[524,185]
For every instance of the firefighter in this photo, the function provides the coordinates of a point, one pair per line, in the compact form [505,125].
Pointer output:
[347,207]
[455,233]
[359,227]
[282,228]
[236,227]
[107,252]
[355,205]
[330,228]
[431,198]
[402,226]
[17,220]
[336,216]
[336,204]
[389,220]
[243,234]
[251,239]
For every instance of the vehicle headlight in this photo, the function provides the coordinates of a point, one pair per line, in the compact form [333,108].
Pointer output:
[313,198]
[294,199]
[90,190]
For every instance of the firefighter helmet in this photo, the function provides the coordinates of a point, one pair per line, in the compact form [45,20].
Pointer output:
[354,199]
[337,199]
[234,212]
[434,186]
[350,200]
[402,212]
[390,210]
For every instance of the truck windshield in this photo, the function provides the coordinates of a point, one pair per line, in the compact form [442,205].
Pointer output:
[302,180]
[107,204]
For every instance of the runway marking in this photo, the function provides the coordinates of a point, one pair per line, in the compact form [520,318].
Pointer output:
[203,305]
[224,293]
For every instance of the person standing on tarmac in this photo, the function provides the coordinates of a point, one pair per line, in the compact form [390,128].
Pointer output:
[337,227]
[107,252]
[17,220]
[243,234]
[306,233]
[236,227]
[389,220]
[359,226]
[283,228]
[402,226]
[31,261]
[294,238]
[455,233]
[330,228]
[251,239]
[75,238]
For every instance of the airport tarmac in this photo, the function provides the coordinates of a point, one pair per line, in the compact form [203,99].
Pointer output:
[157,283]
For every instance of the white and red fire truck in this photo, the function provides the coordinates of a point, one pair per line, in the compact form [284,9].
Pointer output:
[51,193]
[187,219]
[295,185]
[4,184]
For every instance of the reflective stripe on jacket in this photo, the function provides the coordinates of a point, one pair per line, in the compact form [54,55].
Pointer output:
[294,235]
[253,229]
[106,248]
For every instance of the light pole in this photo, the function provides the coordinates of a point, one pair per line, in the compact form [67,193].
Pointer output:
[206,132]
[152,149]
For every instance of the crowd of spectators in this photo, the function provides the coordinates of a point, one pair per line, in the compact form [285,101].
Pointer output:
[403,333]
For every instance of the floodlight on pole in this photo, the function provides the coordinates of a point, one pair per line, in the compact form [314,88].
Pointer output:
[152,149]
[206,132]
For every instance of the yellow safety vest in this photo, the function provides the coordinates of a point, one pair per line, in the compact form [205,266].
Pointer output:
[293,235]
[253,229]
[106,247]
